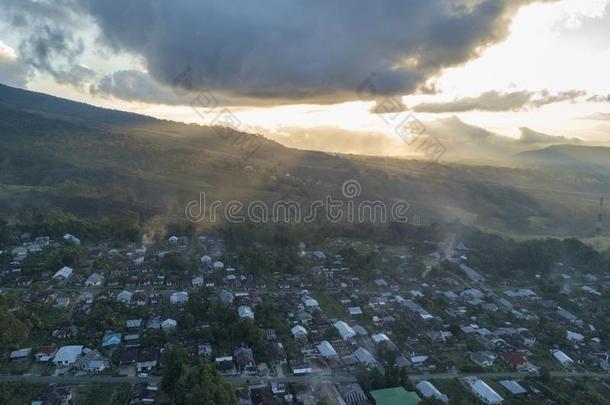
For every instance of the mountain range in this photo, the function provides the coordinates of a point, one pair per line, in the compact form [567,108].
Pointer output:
[94,162]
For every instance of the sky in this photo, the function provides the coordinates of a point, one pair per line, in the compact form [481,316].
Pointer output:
[321,68]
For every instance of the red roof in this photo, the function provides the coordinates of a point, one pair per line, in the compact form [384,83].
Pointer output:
[515,359]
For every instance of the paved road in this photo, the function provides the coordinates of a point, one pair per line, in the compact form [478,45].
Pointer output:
[96,379]
[313,379]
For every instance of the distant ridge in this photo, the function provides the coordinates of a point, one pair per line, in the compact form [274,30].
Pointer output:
[578,156]
[26,100]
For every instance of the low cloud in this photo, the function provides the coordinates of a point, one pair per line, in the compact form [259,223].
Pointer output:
[528,135]
[488,101]
[12,71]
[496,101]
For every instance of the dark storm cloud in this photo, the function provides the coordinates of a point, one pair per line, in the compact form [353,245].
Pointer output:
[296,51]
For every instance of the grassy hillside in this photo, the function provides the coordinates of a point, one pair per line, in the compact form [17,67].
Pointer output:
[102,162]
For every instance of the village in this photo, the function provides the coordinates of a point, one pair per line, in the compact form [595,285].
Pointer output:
[411,328]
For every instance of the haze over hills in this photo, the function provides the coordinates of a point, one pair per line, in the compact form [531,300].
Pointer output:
[462,141]
[94,162]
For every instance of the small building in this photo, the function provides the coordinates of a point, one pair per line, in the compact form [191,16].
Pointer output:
[562,358]
[574,337]
[513,387]
[67,355]
[245,311]
[298,332]
[428,390]
[482,391]
[327,350]
[63,274]
[179,298]
[94,280]
[21,354]
[344,330]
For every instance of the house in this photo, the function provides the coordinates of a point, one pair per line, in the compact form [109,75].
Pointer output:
[94,280]
[21,354]
[513,387]
[197,281]
[365,357]
[45,354]
[481,390]
[483,359]
[218,265]
[72,239]
[516,360]
[179,298]
[206,260]
[111,339]
[380,338]
[318,255]
[353,394]
[67,355]
[91,362]
[562,358]
[574,337]
[394,396]
[225,365]
[173,239]
[276,353]
[204,350]
[298,332]
[146,360]
[62,302]
[63,274]
[471,273]
[430,391]
[133,323]
[355,311]
[245,311]
[124,297]
[244,360]
[169,324]
[344,330]
[326,349]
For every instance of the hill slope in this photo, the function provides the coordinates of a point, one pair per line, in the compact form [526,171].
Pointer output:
[94,162]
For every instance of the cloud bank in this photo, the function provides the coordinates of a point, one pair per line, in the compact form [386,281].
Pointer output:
[290,51]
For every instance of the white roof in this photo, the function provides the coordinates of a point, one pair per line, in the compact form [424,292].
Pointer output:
[513,386]
[124,296]
[326,349]
[218,264]
[64,272]
[298,330]
[483,390]
[562,357]
[428,390]
[574,336]
[179,296]
[206,259]
[310,303]
[364,356]
[344,330]
[380,337]
[169,323]
[68,354]
[245,312]
[355,310]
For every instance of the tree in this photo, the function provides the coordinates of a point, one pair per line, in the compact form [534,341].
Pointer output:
[201,384]
[174,360]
